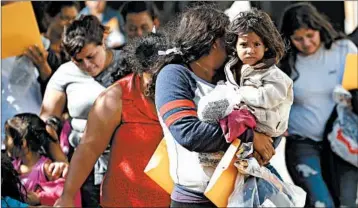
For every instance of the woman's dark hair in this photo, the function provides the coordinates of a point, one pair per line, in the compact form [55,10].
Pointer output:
[196,32]
[304,15]
[30,127]
[87,29]
[260,23]
[142,56]
[11,185]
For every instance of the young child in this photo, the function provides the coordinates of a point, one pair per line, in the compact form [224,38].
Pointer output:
[28,136]
[262,89]
[13,193]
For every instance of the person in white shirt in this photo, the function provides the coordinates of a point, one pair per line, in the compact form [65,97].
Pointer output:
[316,63]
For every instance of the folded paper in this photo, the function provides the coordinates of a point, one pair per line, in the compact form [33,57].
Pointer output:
[19,29]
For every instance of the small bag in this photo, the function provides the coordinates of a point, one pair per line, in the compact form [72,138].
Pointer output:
[344,136]
[261,188]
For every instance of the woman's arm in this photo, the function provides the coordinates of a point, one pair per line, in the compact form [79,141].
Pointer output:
[52,105]
[103,119]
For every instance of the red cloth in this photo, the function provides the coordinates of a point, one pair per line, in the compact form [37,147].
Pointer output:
[236,123]
[134,142]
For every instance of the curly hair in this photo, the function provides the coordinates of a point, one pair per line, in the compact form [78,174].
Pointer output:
[260,23]
[142,56]
[194,32]
[87,29]
[30,127]
[304,15]
[11,185]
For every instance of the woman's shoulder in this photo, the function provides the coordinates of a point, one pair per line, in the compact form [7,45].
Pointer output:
[345,44]
[173,72]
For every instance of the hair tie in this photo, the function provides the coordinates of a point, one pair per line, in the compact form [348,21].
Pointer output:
[170,51]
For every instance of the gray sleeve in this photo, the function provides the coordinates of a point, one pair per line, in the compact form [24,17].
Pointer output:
[271,93]
[59,79]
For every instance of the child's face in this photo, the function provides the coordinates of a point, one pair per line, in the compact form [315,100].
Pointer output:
[250,48]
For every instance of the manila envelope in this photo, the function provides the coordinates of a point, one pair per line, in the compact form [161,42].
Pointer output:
[19,29]
[350,76]
[158,168]
[222,182]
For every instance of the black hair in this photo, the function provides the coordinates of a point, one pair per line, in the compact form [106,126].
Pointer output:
[11,185]
[55,123]
[53,8]
[137,7]
[30,127]
[195,33]
[304,15]
[144,57]
[86,29]
[260,23]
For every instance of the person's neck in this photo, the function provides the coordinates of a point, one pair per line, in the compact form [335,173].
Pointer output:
[109,58]
[201,70]
[30,159]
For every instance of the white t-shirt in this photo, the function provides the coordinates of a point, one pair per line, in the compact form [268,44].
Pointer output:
[313,102]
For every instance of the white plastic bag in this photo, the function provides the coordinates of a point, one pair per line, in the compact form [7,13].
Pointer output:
[261,188]
[344,136]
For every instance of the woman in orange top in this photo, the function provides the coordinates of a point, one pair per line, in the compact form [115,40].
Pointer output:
[126,113]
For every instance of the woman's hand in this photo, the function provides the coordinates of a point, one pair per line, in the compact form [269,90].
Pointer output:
[263,147]
[39,57]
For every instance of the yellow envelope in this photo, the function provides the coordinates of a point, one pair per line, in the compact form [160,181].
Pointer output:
[350,76]
[222,182]
[158,168]
[19,29]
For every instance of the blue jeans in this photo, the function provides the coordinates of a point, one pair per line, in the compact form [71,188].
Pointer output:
[303,160]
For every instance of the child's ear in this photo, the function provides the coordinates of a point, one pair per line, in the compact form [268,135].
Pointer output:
[266,49]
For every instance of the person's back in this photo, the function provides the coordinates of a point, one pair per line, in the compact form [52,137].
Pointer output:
[125,174]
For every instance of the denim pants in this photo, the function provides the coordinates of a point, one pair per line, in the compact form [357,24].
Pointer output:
[303,160]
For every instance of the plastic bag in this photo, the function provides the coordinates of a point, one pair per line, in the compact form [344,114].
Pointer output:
[260,187]
[344,136]
[22,76]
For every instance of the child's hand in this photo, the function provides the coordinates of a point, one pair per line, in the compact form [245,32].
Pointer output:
[55,170]
[32,198]
[263,146]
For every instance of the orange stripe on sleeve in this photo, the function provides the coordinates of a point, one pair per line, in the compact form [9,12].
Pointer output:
[176,104]
[181,114]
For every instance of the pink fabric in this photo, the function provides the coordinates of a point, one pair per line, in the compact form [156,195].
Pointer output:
[64,143]
[36,181]
[50,191]
[236,123]
[37,174]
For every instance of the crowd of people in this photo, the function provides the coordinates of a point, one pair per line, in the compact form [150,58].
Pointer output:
[94,104]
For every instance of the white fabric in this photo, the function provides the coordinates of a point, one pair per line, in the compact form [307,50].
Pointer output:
[270,95]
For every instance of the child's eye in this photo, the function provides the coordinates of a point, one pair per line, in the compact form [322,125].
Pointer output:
[257,44]
[243,44]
